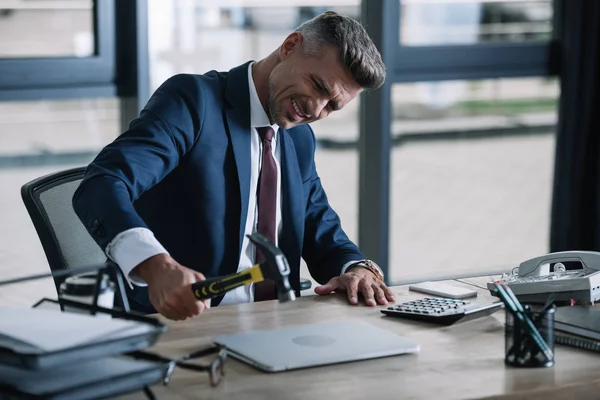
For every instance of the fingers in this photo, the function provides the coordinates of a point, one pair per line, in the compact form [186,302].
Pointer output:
[179,304]
[389,294]
[172,311]
[352,290]
[169,287]
[379,294]
[366,288]
[328,287]
[173,314]
[182,307]
[170,307]
[191,305]
[198,275]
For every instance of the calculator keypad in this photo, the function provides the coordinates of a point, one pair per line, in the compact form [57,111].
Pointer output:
[431,306]
[441,311]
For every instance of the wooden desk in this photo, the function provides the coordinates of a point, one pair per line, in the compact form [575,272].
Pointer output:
[464,361]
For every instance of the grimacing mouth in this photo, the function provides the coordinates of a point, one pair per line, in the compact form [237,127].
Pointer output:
[298,108]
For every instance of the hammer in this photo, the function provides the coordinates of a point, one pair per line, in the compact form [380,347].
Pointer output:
[274,267]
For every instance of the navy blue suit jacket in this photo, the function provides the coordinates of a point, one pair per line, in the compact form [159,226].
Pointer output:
[182,170]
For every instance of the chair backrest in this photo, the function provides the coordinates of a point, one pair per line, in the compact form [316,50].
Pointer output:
[64,238]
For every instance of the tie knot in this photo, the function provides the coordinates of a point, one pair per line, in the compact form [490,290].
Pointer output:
[266,133]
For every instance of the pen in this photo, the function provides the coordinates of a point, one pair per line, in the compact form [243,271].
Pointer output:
[510,300]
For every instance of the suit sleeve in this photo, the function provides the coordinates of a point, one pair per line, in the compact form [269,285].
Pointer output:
[165,131]
[326,247]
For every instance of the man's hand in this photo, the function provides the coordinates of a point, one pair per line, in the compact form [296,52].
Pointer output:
[169,287]
[357,280]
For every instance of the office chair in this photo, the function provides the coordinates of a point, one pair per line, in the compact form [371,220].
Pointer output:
[64,238]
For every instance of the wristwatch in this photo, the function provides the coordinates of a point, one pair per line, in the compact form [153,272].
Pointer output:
[371,266]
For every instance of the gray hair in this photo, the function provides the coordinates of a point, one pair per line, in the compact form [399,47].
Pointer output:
[356,50]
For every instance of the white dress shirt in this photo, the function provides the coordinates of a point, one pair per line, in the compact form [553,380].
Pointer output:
[133,246]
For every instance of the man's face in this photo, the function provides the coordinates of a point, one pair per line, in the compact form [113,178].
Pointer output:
[304,89]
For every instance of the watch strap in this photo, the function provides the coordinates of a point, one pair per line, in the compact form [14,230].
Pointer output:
[371,266]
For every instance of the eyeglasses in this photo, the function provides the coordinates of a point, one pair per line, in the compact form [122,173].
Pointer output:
[215,369]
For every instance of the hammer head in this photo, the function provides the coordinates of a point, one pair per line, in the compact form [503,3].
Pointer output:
[274,267]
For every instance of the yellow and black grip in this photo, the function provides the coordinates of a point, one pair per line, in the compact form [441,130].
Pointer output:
[212,287]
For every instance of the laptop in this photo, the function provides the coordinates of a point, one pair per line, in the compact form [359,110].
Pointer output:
[315,344]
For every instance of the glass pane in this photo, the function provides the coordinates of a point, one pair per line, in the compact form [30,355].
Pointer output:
[47,29]
[446,22]
[195,37]
[56,127]
[38,138]
[471,175]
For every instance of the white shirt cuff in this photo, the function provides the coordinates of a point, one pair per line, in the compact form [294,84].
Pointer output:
[351,263]
[131,247]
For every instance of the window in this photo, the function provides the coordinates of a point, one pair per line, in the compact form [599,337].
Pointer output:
[471,175]
[448,22]
[56,127]
[62,29]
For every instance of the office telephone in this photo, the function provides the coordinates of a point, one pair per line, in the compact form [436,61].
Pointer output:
[535,279]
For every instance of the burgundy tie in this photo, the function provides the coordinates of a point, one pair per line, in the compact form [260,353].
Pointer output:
[267,208]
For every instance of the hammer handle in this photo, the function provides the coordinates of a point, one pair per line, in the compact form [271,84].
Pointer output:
[212,287]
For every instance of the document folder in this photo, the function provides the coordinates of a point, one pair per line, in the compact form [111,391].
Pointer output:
[62,341]
[94,379]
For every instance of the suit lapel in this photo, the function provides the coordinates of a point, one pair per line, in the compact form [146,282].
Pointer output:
[237,114]
[292,211]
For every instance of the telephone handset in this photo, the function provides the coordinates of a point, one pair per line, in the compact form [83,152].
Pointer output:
[535,279]
[540,266]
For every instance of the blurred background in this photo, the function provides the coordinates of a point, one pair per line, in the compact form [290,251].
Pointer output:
[471,163]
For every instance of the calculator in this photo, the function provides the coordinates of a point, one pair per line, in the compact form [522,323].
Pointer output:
[441,311]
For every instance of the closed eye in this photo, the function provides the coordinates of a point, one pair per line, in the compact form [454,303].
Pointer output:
[319,85]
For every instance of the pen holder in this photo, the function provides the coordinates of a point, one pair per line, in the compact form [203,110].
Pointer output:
[521,349]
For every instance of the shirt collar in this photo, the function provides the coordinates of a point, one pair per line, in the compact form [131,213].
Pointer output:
[258,116]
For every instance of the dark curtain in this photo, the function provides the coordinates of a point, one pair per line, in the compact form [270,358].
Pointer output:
[575,219]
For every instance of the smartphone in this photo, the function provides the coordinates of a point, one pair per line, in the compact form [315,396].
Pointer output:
[443,290]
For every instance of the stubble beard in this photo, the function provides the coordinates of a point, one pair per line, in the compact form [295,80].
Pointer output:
[275,114]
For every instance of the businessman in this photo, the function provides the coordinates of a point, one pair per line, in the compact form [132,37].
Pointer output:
[217,156]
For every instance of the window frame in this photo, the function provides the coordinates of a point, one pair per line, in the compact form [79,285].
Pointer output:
[66,77]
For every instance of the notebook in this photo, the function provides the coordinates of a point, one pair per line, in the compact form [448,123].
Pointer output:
[577,342]
[578,320]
